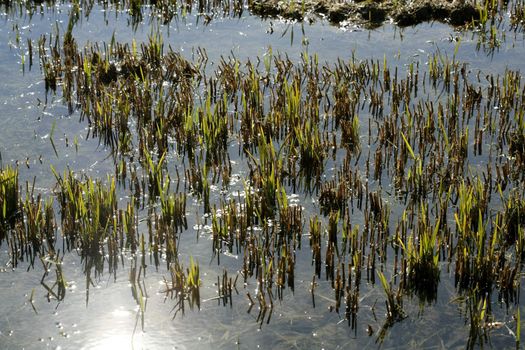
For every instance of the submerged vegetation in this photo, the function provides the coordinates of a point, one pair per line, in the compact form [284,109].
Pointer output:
[415,177]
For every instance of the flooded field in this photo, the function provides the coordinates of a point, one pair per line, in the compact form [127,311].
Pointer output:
[229,174]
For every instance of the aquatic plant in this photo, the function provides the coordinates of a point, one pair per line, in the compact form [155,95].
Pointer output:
[361,140]
[422,257]
[9,197]
[184,286]
[394,305]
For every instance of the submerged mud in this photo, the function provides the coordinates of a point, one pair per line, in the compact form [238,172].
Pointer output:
[372,13]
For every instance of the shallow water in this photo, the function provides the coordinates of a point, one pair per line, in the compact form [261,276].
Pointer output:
[111,317]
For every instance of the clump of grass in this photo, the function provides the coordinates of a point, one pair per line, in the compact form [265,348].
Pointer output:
[517,149]
[184,286]
[514,218]
[214,125]
[155,174]
[290,220]
[315,244]
[479,317]
[285,269]
[9,197]
[88,210]
[39,226]
[517,15]
[350,134]
[311,148]
[344,101]
[221,233]
[334,196]
[415,179]
[165,237]
[332,248]
[267,176]
[127,227]
[422,256]
[173,207]
[394,305]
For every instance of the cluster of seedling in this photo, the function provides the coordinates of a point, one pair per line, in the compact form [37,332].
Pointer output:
[403,143]
[517,16]
[486,18]
[138,10]
[9,200]
[184,286]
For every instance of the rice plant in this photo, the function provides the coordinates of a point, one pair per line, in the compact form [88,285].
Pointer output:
[9,196]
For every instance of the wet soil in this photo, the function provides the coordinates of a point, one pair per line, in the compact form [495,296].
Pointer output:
[371,13]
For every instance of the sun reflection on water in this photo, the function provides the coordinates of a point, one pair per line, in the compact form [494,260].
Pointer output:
[118,342]
[116,334]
